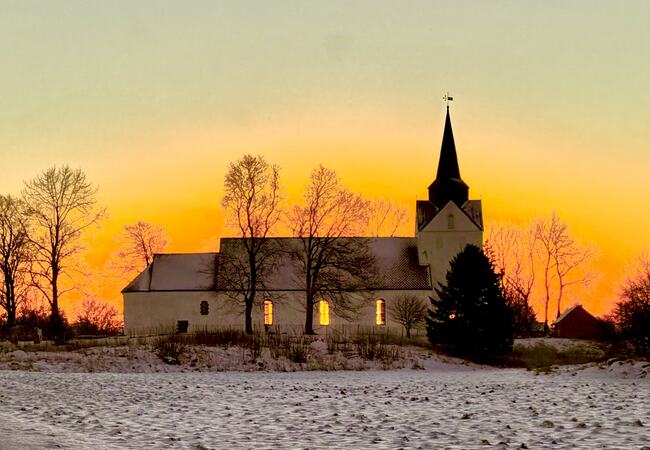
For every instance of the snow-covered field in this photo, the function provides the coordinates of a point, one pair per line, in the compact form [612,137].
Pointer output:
[446,406]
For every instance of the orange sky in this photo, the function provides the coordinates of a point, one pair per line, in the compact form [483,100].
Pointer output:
[154,99]
[183,193]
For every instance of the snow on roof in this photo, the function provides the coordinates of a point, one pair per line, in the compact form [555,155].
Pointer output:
[141,282]
[396,259]
[178,272]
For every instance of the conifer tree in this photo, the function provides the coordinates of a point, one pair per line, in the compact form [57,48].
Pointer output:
[469,314]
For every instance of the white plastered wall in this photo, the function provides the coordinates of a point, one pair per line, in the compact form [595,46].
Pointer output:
[438,243]
[156,312]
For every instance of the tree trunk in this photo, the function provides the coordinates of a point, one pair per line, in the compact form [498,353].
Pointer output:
[55,298]
[546,317]
[11,304]
[11,317]
[10,300]
[250,300]
[559,299]
[309,316]
[249,316]
[408,333]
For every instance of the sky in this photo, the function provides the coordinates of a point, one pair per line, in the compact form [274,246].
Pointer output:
[153,100]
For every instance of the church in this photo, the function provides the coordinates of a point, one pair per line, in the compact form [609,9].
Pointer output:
[187,292]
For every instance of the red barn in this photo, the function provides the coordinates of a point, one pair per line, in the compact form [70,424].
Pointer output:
[576,323]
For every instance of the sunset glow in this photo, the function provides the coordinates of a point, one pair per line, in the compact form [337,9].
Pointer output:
[153,100]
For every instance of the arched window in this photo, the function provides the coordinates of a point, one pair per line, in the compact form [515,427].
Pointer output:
[450,222]
[268,312]
[205,308]
[380,312]
[324,310]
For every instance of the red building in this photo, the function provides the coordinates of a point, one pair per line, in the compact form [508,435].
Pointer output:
[576,323]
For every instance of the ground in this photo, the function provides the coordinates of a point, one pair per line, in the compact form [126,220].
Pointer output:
[446,405]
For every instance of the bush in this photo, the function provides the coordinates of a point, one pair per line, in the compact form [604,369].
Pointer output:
[523,315]
[469,316]
[542,355]
[170,349]
[97,318]
[632,313]
[227,337]
[57,329]
[373,349]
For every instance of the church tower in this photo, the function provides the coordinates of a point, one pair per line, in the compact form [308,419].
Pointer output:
[448,186]
[448,220]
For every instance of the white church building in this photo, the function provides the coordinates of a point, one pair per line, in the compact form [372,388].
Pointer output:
[186,292]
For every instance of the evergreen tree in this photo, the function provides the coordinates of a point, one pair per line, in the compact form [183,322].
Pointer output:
[470,315]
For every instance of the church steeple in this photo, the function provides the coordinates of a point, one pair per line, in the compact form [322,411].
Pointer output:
[448,185]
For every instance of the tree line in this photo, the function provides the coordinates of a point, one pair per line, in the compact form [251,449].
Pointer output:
[40,246]
[41,242]
[41,230]
[473,316]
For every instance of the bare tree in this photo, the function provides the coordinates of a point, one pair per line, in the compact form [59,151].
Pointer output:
[96,317]
[137,245]
[513,251]
[61,204]
[252,200]
[331,264]
[15,254]
[409,311]
[562,260]
[385,218]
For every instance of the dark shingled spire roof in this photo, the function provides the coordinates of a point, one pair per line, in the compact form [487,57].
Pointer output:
[448,185]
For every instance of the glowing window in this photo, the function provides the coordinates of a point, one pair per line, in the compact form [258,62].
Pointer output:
[324,310]
[268,312]
[450,221]
[380,312]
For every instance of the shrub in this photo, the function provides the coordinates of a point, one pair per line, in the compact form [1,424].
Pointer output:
[58,329]
[409,311]
[542,355]
[296,349]
[226,337]
[97,318]
[373,349]
[170,348]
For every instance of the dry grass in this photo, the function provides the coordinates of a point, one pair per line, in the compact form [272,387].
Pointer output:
[542,356]
[297,348]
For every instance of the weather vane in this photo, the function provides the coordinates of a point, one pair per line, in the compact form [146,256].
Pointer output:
[448,98]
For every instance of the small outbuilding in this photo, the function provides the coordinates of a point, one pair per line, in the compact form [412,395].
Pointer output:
[576,323]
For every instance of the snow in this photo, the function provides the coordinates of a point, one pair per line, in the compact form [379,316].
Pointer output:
[447,405]
[560,344]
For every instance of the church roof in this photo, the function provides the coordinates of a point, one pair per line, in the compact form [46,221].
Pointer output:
[178,272]
[396,259]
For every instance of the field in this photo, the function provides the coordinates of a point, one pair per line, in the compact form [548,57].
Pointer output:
[445,406]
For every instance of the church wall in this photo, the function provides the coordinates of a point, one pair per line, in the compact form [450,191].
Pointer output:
[444,237]
[441,247]
[157,312]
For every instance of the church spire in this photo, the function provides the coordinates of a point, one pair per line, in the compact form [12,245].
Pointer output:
[448,185]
